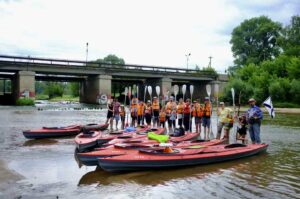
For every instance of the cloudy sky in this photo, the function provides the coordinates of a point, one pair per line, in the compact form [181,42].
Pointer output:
[152,32]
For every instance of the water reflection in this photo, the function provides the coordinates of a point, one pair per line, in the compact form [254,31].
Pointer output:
[40,142]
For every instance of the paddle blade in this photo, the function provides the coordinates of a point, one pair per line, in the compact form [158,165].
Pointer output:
[232,93]
[176,89]
[157,88]
[191,89]
[216,90]
[126,91]
[208,89]
[183,89]
[150,90]
[129,91]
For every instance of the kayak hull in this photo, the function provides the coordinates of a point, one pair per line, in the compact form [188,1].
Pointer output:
[127,164]
[51,133]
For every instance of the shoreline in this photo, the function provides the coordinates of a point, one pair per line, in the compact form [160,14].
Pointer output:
[7,176]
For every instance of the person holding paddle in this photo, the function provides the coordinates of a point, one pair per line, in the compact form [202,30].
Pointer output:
[206,117]
[222,113]
[180,108]
[140,113]
[155,108]
[186,114]
[197,113]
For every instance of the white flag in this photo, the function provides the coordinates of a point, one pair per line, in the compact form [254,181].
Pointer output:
[269,106]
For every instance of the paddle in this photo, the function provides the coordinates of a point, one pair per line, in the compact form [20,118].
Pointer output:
[233,103]
[157,88]
[217,95]
[208,90]
[125,93]
[145,91]
[176,89]
[191,91]
[137,92]
[150,93]
[129,97]
[183,90]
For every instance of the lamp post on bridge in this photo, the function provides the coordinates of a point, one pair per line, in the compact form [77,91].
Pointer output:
[87,52]
[187,60]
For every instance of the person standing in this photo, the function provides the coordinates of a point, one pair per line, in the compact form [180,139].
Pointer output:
[186,115]
[116,113]
[254,117]
[197,113]
[122,115]
[134,107]
[140,113]
[155,108]
[170,108]
[162,117]
[110,113]
[180,108]
[222,114]
[148,113]
[206,117]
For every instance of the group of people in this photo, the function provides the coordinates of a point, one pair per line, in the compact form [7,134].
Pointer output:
[153,112]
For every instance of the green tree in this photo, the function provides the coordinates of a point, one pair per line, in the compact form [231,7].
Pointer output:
[290,40]
[74,88]
[295,91]
[54,89]
[113,59]
[255,40]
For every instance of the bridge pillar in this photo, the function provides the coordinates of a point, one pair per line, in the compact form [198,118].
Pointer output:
[93,87]
[165,86]
[24,85]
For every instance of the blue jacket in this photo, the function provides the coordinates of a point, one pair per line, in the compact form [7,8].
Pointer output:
[254,112]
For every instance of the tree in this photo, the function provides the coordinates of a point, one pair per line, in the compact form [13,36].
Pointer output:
[113,59]
[290,40]
[255,40]
[74,88]
[54,89]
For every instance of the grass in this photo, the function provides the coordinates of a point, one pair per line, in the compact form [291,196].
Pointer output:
[25,102]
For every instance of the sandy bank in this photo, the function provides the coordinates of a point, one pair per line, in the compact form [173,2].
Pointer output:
[7,177]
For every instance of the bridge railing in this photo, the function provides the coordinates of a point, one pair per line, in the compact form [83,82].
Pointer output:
[66,63]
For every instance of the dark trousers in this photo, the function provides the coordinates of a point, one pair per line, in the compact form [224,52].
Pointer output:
[186,122]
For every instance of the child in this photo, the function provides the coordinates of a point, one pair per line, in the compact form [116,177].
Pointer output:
[122,115]
[162,117]
[242,129]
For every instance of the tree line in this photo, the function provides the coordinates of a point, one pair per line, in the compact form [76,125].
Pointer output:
[266,61]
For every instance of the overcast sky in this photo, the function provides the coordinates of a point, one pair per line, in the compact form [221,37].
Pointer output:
[153,32]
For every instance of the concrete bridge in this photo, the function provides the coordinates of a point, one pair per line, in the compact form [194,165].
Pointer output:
[97,78]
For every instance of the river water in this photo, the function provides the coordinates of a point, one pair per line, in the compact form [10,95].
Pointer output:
[47,168]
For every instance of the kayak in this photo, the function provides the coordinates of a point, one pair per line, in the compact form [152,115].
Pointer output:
[89,140]
[90,158]
[157,158]
[52,132]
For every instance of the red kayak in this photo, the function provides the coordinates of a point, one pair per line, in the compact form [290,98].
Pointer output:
[90,158]
[86,141]
[53,132]
[154,158]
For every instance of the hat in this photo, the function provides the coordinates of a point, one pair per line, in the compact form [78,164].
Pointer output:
[171,97]
[122,105]
[195,101]
[251,100]
[148,101]
[222,103]
[206,99]
[154,97]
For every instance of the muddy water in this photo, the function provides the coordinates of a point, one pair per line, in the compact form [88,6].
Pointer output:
[47,169]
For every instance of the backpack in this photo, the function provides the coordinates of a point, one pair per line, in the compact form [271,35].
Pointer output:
[178,132]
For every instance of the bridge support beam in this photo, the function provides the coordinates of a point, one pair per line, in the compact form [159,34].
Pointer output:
[24,85]
[93,87]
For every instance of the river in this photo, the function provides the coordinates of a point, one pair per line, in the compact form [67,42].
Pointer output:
[47,168]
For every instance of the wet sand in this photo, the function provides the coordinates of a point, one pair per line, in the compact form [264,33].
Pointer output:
[8,177]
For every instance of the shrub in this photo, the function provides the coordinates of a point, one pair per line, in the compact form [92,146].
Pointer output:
[25,102]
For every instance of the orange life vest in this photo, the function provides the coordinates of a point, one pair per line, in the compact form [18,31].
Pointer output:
[148,110]
[169,107]
[206,110]
[162,116]
[155,105]
[186,109]
[122,113]
[180,108]
[197,111]
[140,110]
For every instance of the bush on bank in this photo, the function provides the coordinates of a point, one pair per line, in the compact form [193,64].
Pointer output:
[25,102]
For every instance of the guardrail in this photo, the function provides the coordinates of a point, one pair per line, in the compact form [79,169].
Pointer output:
[93,64]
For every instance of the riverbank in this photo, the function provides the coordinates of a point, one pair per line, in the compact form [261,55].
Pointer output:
[7,177]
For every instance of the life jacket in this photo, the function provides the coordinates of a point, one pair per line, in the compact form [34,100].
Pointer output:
[148,110]
[140,110]
[180,108]
[155,105]
[134,105]
[206,110]
[186,109]
[197,111]
[122,113]
[162,116]
[169,107]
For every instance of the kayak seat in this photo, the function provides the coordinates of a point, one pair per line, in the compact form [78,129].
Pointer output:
[234,145]
[142,133]
[133,141]
[158,151]
[88,134]
[199,141]
[124,137]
